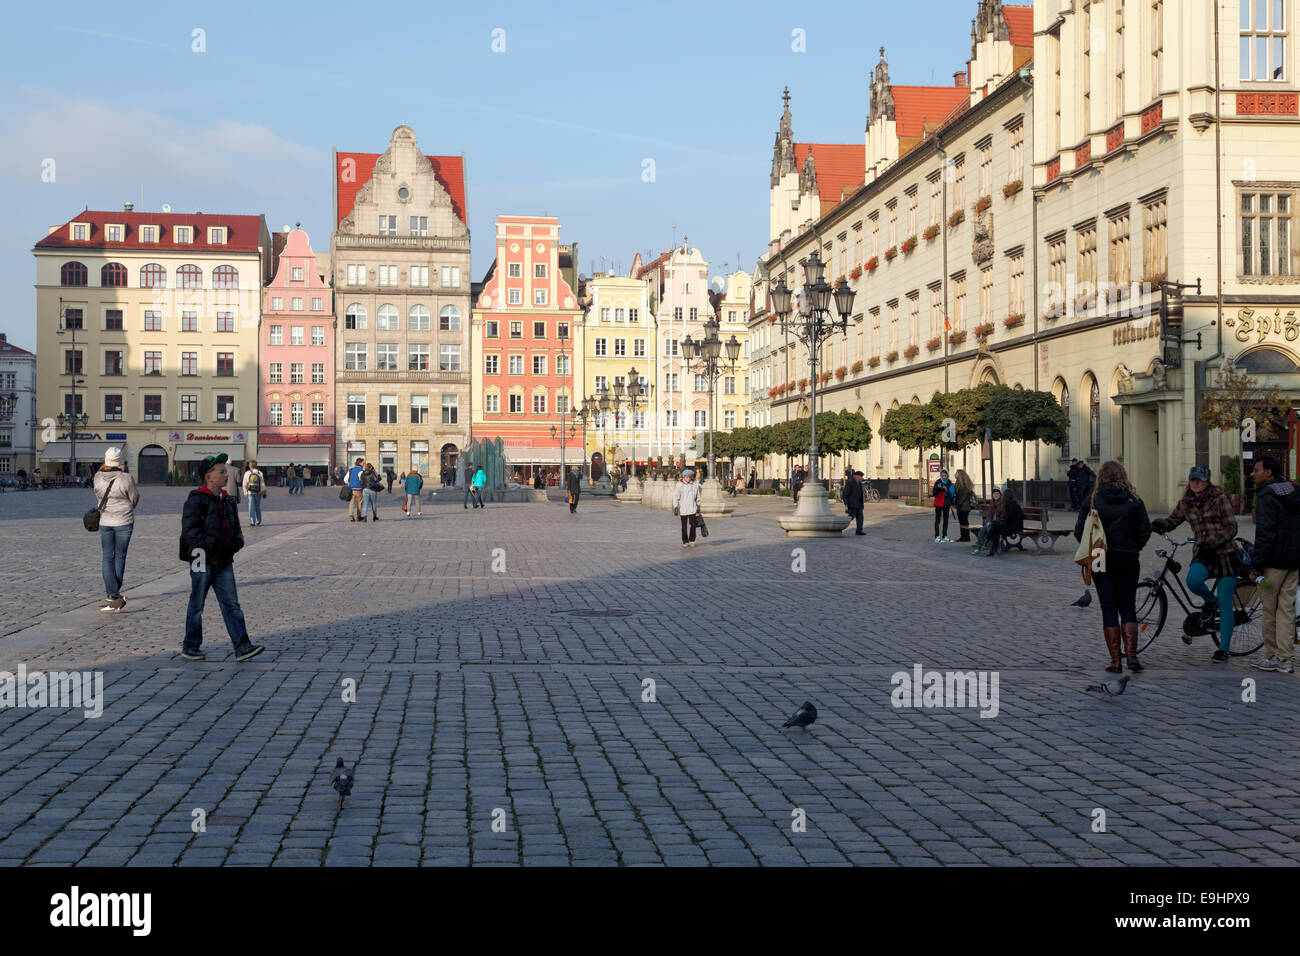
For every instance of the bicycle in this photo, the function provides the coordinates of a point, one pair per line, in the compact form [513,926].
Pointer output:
[870,494]
[1153,607]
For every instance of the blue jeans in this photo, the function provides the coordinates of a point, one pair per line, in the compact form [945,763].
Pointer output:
[255,509]
[368,502]
[222,581]
[298,484]
[113,543]
[1197,575]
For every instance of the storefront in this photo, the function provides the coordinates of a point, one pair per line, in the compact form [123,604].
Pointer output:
[274,460]
[192,447]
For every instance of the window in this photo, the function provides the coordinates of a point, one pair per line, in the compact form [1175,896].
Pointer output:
[388,409]
[420,277]
[73,319]
[190,322]
[601,348]
[318,373]
[317,303]
[153,408]
[728,419]
[677,314]
[73,273]
[388,275]
[491,329]
[912,200]
[386,357]
[562,331]
[936,310]
[516,404]
[113,363]
[217,235]
[277,303]
[355,317]
[1155,251]
[114,275]
[189,408]
[354,356]
[913,317]
[1266,220]
[1016,289]
[296,335]
[539,330]
[226,322]
[295,274]
[695,315]
[275,374]
[728,385]
[491,364]
[1157,35]
[448,358]
[153,276]
[225,364]
[1016,157]
[295,413]
[449,321]
[670,382]
[295,373]
[451,277]
[277,413]
[356,275]
[318,413]
[386,318]
[875,234]
[539,297]
[986,167]
[80,231]
[225,408]
[417,319]
[986,294]
[958,316]
[297,303]
[539,404]
[563,365]
[1086,245]
[618,314]
[182,234]
[417,358]
[189,363]
[638,419]
[638,348]
[153,363]
[189,277]
[892,208]
[601,382]
[388,225]
[634,314]
[701,383]
[539,270]
[419,225]
[112,408]
[539,364]
[419,409]
[936,213]
[701,418]
[492,403]
[225,277]
[451,409]
[1094,421]
[1065,407]
[72,404]
[516,365]
[113,320]
[515,270]
[1119,249]
[356,409]
[113,233]
[671,347]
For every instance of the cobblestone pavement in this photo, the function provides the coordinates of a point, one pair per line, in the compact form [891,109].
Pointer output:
[515,697]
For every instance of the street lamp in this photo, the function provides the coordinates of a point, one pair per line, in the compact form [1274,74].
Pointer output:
[704,357]
[812,325]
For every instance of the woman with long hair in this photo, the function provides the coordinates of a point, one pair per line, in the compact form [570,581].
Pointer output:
[1206,508]
[1124,519]
[965,500]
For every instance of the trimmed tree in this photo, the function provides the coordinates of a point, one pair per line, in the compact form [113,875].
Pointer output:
[1025,415]
[1240,396]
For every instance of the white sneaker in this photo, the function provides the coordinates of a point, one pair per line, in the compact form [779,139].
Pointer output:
[1285,667]
[1264,663]
[937,540]
[947,540]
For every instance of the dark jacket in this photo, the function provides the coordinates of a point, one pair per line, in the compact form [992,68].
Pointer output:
[945,487]
[965,499]
[370,478]
[1086,480]
[573,483]
[852,493]
[1123,516]
[1012,517]
[1277,526]
[211,522]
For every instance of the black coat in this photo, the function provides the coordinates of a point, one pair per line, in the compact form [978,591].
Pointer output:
[211,522]
[574,484]
[1085,481]
[1277,526]
[1012,517]
[1123,516]
[852,493]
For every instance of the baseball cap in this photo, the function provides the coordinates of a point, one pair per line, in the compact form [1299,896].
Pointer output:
[213,460]
[1199,471]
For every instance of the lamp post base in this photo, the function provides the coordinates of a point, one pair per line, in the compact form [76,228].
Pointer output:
[812,516]
[713,503]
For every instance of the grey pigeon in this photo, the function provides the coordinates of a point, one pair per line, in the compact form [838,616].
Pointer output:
[341,781]
[1083,601]
[1110,688]
[803,717]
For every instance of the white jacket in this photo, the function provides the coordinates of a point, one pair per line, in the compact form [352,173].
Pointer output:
[686,497]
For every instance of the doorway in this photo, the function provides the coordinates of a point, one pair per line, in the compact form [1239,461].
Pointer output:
[152,465]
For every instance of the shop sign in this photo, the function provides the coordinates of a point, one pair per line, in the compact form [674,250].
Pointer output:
[1248,322]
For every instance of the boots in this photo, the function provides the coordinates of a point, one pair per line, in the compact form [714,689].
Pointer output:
[1112,645]
[1131,645]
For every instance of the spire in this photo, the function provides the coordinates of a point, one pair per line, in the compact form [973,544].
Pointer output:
[882,92]
[783,149]
[808,178]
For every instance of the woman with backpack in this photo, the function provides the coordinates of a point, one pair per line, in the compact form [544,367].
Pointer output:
[943,494]
[965,502]
[117,495]
[1124,519]
[255,491]
[371,485]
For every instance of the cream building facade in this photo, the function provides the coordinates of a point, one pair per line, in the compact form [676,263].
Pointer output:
[732,391]
[620,334]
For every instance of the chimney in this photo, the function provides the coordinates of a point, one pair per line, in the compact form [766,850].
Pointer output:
[4,337]
[959,78]
[128,206]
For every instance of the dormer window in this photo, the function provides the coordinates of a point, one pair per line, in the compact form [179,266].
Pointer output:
[80,231]
[216,235]
[297,273]
[183,234]
[113,232]
[148,233]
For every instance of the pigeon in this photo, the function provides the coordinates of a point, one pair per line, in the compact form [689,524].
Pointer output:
[1083,601]
[803,717]
[341,781]
[1110,688]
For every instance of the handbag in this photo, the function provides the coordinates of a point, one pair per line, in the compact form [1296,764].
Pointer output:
[1091,541]
[345,493]
[699,523]
[403,504]
[91,518]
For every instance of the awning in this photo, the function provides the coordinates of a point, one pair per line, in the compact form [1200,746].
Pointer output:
[197,451]
[542,455]
[86,450]
[293,455]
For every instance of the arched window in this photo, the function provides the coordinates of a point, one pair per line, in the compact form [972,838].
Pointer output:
[355,317]
[449,319]
[189,277]
[225,277]
[1064,400]
[73,273]
[1094,420]
[386,318]
[417,319]
[113,275]
[153,276]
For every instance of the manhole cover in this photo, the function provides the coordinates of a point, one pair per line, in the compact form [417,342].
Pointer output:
[596,612]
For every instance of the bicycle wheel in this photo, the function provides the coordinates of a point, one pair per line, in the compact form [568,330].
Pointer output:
[1247,630]
[1152,607]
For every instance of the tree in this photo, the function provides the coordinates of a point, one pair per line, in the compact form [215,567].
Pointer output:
[1240,396]
[911,426]
[1025,415]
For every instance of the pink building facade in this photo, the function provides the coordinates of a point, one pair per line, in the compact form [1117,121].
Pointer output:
[296,365]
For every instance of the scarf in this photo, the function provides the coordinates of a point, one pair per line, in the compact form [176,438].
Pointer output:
[1197,501]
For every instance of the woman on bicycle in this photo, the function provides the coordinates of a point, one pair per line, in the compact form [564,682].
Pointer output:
[1124,519]
[1205,507]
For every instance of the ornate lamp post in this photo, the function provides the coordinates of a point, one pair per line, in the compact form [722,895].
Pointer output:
[705,358]
[812,325]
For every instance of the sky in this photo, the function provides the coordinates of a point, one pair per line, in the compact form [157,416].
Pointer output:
[235,108]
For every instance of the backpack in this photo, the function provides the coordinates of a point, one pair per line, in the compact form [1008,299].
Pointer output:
[254,483]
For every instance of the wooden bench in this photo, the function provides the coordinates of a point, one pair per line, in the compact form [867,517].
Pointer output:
[1043,537]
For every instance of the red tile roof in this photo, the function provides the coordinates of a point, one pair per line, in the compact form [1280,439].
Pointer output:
[242,232]
[915,106]
[837,164]
[1020,22]
[10,348]
[449,171]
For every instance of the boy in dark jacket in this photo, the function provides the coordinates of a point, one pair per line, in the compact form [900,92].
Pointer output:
[1276,559]
[210,536]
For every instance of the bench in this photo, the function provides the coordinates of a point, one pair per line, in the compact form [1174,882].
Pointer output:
[1043,537]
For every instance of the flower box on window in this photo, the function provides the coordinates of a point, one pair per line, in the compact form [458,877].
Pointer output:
[856,273]
[871,264]
[983,204]
[935,343]
[957,338]
[984,330]
[1011,188]
[857,367]
[842,372]
[957,218]
[771,393]
[930,232]
[1014,319]
[892,356]
[803,384]
[909,244]
[824,377]
[912,351]
[873,361]
[782,389]
[891,252]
